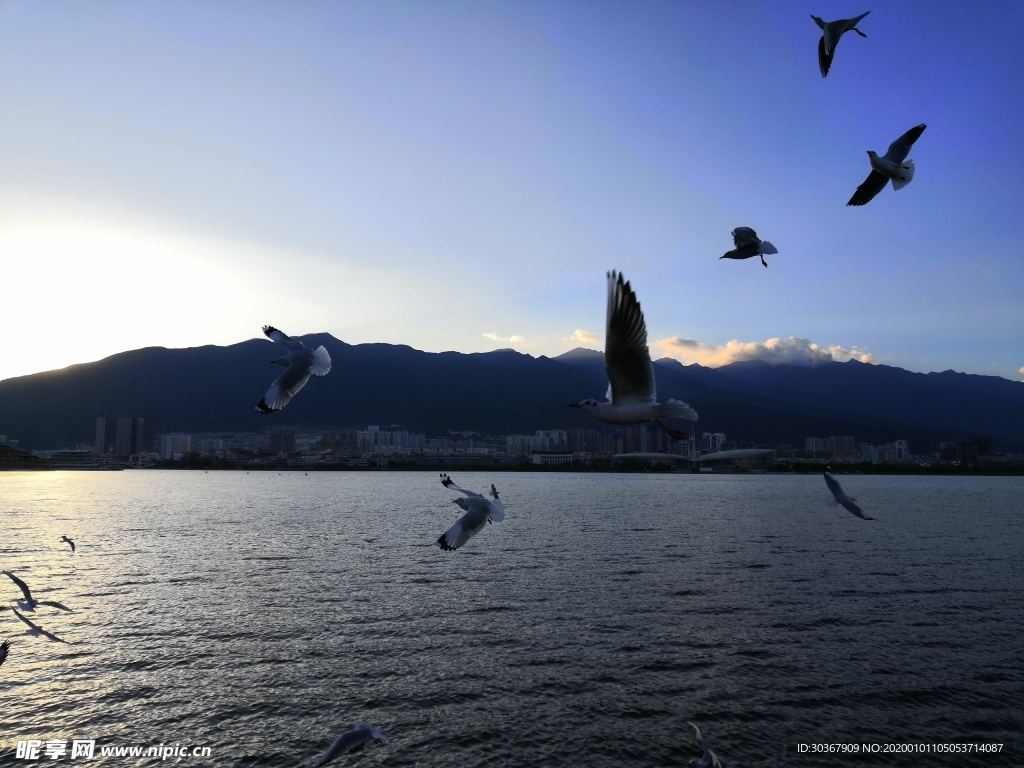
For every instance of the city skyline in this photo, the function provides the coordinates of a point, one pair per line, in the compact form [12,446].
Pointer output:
[460,178]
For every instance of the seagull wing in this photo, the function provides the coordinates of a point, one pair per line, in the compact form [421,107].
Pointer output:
[69,541]
[742,236]
[22,585]
[834,486]
[5,648]
[627,360]
[284,388]
[447,482]
[824,57]
[496,512]
[275,335]
[348,741]
[494,492]
[467,526]
[55,604]
[873,184]
[900,148]
[708,756]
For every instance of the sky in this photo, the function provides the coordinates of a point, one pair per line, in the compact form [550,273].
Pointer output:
[461,176]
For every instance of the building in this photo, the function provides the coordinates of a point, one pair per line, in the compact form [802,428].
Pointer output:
[282,440]
[122,436]
[174,445]
[104,442]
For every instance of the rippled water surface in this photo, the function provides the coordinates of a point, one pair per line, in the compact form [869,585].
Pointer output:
[259,614]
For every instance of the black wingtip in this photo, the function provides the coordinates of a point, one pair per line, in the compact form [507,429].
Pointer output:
[445,480]
[262,407]
[442,542]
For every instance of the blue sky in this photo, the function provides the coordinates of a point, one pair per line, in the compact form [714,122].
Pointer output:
[461,175]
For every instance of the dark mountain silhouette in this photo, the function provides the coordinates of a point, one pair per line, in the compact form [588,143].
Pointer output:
[215,389]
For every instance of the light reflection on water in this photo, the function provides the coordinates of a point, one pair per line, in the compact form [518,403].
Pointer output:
[245,612]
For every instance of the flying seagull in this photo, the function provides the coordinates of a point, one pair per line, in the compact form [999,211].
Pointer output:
[627,362]
[68,541]
[709,759]
[889,167]
[831,31]
[30,602]
[36,630]
[5,648]
[748,244]
[841,497]
[301,363]
[479,512]
[354,739]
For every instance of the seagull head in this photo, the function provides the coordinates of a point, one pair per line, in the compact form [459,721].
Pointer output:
[872,154]
[280,361]
[587,405]
[462,503]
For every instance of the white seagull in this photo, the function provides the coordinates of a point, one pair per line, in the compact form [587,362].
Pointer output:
[35,630]
[627,361]
[748,245]
[66,540]
[831,31]
[355,738]
[30,602]
[301,363]
[841,497]
[889,167]
[709,759]
[479,512]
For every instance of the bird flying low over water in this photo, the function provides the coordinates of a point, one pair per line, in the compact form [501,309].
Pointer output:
[748,245]
[479,512]
[68,541]
[355,738]
[841,497]
[831,31]
[709,759]
[5,648]
[889,167]
[631,398]
[301,363]
[35,630]
[30,602]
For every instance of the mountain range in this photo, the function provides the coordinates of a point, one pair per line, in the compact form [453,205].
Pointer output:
[215,389]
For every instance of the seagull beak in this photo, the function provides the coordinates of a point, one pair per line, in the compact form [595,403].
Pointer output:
[575,405]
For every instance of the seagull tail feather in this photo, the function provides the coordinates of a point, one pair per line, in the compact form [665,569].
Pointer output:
[767,247]
[906,175]
[676,409]
[321,362]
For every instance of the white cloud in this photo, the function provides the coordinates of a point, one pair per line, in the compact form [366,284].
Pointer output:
[1021,369]
[585,337]
[791,351]
[513,339]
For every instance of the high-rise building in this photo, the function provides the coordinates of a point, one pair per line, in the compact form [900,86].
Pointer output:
[104,442]
[175,444]
[282,440]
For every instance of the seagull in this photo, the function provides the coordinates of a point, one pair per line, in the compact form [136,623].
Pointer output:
[5,647]
[479,511]
[748,244]
[301,363]
[831,32]
[841,497]
[30,602]
[69,541]
[355,738]
[627,362]
[709,759]
[36,630]
[889,167]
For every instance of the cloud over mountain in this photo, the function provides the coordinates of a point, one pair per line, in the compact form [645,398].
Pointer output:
[513,339]
[586,337]
[790,351]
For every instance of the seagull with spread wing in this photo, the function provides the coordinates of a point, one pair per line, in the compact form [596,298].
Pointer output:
[479,512]
[30,602]
[35,630]
[66,540]
[354,739]
[631,398]
[748,245]
[840,496]
[300,362]
[707,760]
[831,31]
[889,167]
